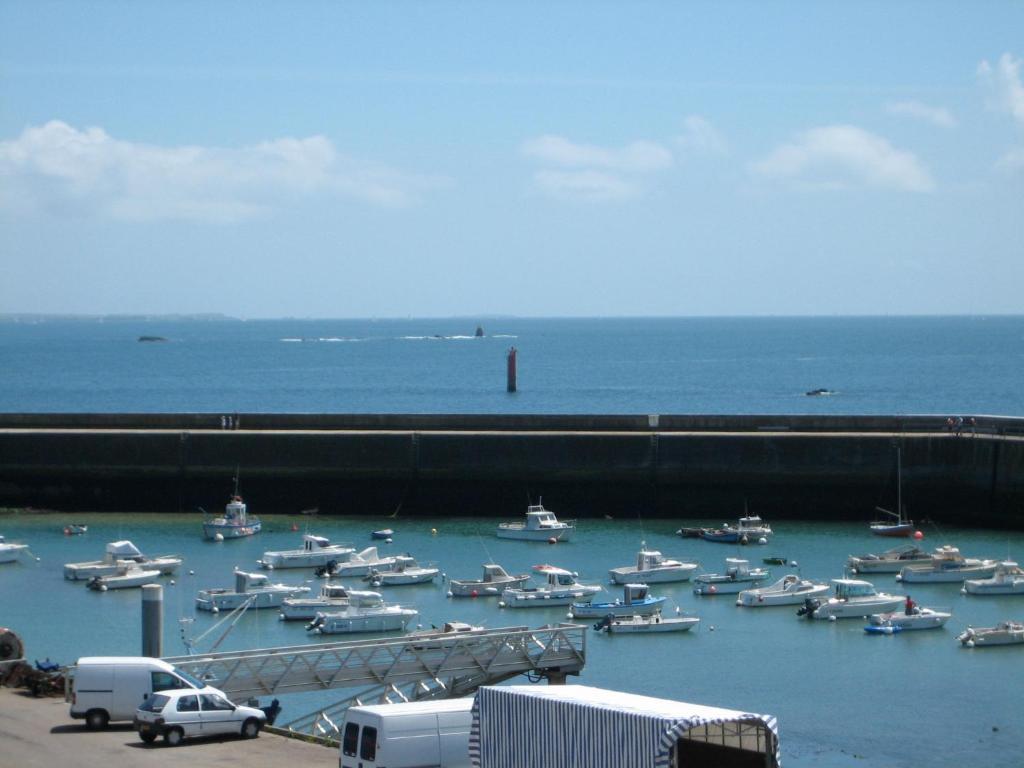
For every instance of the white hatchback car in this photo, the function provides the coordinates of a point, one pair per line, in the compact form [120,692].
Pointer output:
[188,712]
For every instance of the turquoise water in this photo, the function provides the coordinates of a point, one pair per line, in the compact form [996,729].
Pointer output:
[843,698]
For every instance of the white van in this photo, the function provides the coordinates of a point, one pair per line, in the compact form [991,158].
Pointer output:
[431,734]
[108,688]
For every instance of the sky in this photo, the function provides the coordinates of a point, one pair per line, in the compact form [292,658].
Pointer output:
[431,159]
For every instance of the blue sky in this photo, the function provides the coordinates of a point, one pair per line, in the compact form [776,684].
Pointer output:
[553,158]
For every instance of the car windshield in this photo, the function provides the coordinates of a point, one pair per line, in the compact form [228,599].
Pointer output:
[155,703]
[193,681]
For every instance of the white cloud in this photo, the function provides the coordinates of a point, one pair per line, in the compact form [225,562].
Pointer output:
[1004,85]
[1012,161]
[699,136]
[589,186]
[636,157]
[839,156]
[935,115]
[58,167]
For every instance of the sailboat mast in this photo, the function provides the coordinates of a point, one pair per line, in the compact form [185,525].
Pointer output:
[899,485]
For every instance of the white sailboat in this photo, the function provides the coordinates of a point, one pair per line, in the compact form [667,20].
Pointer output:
[895,524]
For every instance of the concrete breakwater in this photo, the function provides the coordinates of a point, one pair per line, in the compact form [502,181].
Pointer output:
[654,466]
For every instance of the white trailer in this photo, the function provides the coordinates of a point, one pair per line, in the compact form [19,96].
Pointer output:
[566,726]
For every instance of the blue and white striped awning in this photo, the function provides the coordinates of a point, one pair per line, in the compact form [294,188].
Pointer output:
[566,726]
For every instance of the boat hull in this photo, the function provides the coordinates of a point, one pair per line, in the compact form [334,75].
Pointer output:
[861,566]
[900,530]
[227,531]
[543,598]
[396,579]
[127,581]
[856,609]
[534,534]
[652,575]
[726,586]
[987,587]
[901,622]
[985,637]
[758,598]
[228,601]
[617,609]
[945,576]
[335,624]
[303,559]
[652,625]
[484,588]
[167,566]
[297,609]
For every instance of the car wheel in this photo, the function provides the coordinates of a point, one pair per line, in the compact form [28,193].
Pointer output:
[173,737]
[149,738]
[250,728]
[95,719]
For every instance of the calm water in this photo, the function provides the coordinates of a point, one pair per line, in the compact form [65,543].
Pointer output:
[840,695]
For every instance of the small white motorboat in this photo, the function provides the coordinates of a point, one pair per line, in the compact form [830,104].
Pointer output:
[1007,580]
[9,552]
[358,564]
[652,568]
[646,624]
[251,589]
[405,570]
[891,561]
[1003,633]
[118,555]
[383,533]
[540,525]
[789,590]
[235,523]
[851,599]
[366,612]
[737,577]
[495,580]
[316,551]
[561,589]
[901,621]
[75,529]
[126,577]
[435,638]
[948,565]
[748,530]
[636,601]
[332,597]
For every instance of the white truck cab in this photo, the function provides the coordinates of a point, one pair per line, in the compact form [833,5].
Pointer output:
[426,734]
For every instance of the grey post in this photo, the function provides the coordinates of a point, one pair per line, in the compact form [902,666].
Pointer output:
[153,620]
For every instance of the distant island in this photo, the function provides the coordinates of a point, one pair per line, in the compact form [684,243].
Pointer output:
[35,318]
[152,338]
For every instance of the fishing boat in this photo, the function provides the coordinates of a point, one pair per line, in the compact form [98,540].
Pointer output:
[252,588]
[747,529]
[316,551]
[901,621]
[494,581]
[737,577]
[75,529]
[851,599]
[691,533]
[119,555]
[366,612]
[891,561]
[405,570]
[358,564]
[127,577]
[894,523]
[652,568]
[948,565]
[636,601]
[540,525]
[383,533]
[235,523]
[332,597]
[1007,580]
[1003,633]
[561,588]
[445,636]
[9,552]
[789,590]
[646,624]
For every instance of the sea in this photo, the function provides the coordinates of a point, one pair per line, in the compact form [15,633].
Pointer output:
[842,697]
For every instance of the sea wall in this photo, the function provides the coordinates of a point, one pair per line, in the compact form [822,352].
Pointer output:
[657,466]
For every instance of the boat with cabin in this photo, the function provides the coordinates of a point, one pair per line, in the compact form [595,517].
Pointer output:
[75,529]
[1003,633]
[851,599]
[10,552]
[366,612]
[316,551]
[948,565]
[540,525]
[251,589]
[332,597]
[358,564]
[561,588]
[234,523]
[127,577]
[901,621]
[383,533]
[747,530]
[494,581]
[117,556]
[789,590]
[636,600]
[405,570]
[890,561]
[737,577]
[1007,580]
[652,568]
[645,625]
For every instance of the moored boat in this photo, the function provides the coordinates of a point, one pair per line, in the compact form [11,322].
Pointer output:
[119,555]
[234,523]
[405,570]
[366,612]
[852,598]
[540,525]
[251,589]
[789,590]
[561,588]
[1007,580]
[890,561]
[1003,633]
[316,551]
[737,577]
[636,601]
[652,568]
[126,577]
[75,529]
[332,597]
[646,624]
[494,581]
[10,552]
[747,530]
[359,564]
[901,621]
[894,524]
[948,565]
[383,533]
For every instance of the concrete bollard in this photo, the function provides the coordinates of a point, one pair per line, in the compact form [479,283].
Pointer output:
[153,620]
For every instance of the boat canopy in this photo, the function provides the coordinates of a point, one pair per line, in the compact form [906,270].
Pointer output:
[244,580]
[123,549]
[632,593]
[853,587]
[635,731]
[648,558]
[493,571]
[315,542]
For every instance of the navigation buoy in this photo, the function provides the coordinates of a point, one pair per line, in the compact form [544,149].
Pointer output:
[295,526]
[712,589]
[762,540]
[387,540]
[474,593]
[449,593]
[433,531]
[172,582]
[552,540]
[918,535]
[501,603]
[218,537]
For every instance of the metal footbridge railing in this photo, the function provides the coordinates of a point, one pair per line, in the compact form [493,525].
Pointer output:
[411,668]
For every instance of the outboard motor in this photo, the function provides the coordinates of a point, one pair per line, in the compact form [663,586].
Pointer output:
[604,623]
[811,604]
[314,623]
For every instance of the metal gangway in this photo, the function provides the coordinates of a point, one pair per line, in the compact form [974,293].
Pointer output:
[415,667]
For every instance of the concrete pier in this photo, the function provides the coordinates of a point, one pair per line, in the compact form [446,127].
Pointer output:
[624,466]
